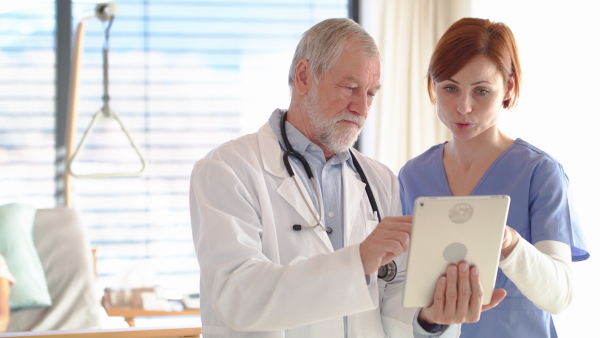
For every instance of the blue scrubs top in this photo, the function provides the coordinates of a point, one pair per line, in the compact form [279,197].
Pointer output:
[541,208]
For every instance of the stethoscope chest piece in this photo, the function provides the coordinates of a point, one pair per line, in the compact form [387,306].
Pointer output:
[388,272]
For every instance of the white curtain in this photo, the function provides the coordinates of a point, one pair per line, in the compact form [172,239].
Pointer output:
[402,122]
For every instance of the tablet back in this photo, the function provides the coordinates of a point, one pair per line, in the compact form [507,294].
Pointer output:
[448,230]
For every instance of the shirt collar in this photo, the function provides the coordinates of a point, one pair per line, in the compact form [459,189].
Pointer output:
[301,144]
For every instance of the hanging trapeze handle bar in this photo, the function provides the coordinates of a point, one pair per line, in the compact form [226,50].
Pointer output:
[104,12]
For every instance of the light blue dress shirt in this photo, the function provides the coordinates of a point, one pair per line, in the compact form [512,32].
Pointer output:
[328,176]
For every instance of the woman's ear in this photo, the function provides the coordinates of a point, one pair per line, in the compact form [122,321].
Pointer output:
[432,93]
[303,80]
[510,87]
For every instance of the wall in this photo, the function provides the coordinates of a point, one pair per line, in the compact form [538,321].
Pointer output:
[558,43]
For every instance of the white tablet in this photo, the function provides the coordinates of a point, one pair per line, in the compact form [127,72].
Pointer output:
[449,230]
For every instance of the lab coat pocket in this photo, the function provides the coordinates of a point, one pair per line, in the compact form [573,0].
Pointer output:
[371,225]
[361,228]
[370,220]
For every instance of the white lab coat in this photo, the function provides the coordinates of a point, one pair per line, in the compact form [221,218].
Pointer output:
[260,278]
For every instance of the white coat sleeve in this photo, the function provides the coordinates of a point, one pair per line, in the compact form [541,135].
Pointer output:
[247,290]
[542,273]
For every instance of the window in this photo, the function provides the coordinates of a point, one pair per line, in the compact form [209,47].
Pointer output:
[27,105]
[183,77]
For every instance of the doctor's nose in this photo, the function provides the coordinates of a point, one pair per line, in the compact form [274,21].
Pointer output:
[360,104]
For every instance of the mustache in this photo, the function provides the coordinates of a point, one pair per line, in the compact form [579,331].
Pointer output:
[350,117]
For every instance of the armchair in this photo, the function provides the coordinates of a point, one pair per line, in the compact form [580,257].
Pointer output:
[66,257]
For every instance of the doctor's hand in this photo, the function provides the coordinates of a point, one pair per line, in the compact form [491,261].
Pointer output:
[389,240]
[458,297]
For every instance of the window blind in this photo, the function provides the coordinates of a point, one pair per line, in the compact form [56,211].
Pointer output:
[184,77]
[27,78]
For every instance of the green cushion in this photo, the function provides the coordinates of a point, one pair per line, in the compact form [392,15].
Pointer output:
[17,247]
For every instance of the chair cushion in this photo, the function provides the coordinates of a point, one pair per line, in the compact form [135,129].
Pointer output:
[17,247]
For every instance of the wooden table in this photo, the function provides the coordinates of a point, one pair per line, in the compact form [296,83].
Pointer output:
[130,313]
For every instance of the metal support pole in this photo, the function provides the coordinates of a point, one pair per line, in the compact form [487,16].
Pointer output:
[64,29]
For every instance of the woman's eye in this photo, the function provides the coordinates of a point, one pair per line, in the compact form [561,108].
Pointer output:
[450,89]
[351,88]
[482,91]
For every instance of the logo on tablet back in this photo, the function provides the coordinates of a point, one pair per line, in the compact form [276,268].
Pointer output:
[460,213]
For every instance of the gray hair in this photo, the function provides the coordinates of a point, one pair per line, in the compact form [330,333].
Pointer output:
[323,44]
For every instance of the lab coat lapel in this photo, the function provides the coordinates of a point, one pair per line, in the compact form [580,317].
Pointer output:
[272,157]
[289,192]
[354,190]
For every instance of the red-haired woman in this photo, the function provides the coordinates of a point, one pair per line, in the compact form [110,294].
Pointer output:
[473,75]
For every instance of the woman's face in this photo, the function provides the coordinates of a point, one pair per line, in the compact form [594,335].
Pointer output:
[470,101]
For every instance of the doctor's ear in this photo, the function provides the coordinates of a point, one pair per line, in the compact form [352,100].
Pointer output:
[303,79]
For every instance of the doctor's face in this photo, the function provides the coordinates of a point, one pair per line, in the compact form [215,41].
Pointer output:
[338,106]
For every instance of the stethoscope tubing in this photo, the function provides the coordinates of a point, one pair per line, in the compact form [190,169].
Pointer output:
[386,272]
[363,177]
[289,151]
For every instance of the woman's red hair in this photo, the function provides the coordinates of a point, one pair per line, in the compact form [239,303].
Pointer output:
[470,37]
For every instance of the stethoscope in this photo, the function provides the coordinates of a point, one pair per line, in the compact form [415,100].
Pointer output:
[386,272]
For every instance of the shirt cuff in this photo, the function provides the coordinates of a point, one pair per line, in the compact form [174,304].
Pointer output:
[429,331]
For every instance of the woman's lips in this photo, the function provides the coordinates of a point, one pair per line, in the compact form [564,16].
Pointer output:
[463,125]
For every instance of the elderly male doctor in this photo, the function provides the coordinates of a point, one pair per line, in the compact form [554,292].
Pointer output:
[287,256]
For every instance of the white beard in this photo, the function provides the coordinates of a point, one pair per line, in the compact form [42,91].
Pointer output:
[328,132]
